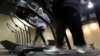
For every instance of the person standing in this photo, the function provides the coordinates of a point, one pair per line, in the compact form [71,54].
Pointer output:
[40,25]
[67,13]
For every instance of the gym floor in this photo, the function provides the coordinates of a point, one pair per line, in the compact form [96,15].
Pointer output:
[89,52]
[4,52]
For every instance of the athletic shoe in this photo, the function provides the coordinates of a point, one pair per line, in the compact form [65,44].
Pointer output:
[54,50]
[81,50]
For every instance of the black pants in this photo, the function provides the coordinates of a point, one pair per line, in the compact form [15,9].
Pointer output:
[39,33]
[69,17]
[97,11]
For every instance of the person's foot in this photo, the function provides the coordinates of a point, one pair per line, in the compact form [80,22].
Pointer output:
[31,44]
[44,45]
[53,51]
[81,50]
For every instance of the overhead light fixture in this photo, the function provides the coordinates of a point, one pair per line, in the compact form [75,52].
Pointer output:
[90,5]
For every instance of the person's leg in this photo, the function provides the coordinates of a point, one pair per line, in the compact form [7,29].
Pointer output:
[75,26]
[37,35]
[32,44]
[60,33]
[59,26]
[42,37]
[97,12]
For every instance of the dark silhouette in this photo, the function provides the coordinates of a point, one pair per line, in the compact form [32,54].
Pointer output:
[9,45]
